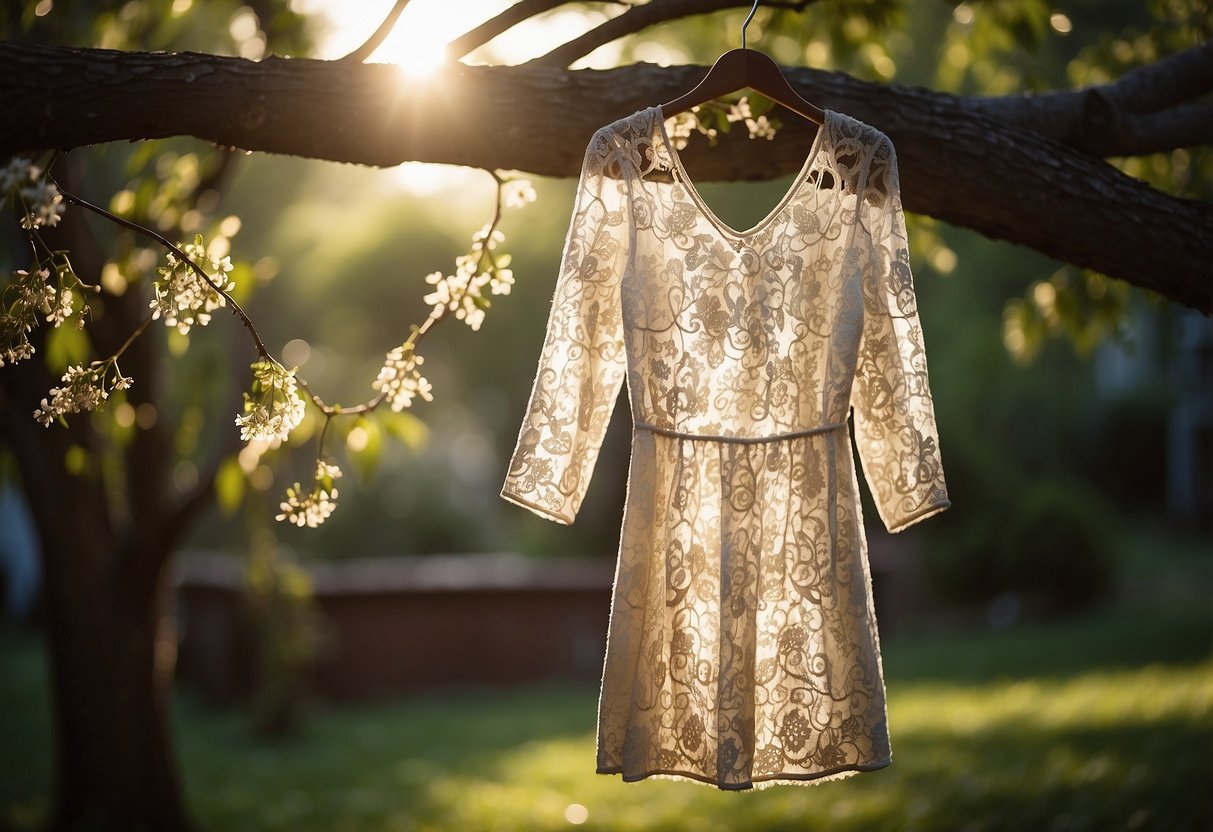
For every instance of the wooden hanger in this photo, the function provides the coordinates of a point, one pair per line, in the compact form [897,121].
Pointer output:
[743,68]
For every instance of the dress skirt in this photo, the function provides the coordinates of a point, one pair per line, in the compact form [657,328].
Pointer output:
[743,648]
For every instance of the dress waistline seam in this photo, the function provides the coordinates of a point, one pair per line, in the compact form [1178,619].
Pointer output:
[738,440]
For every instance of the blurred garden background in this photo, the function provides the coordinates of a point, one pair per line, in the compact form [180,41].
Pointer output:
[1048,642]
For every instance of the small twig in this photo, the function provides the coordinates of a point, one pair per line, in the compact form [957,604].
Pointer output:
[637,18]
[494,26]
[376,40]
[130,339]
[185,258]
[418,333]
[324,429]
[484,252]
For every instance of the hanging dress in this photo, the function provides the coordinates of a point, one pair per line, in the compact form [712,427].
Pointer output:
[742,647]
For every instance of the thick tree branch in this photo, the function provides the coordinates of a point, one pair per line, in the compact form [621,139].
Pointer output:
[1033,187]
[1126,117]
[1183,126]
[641,17]
[1166,82]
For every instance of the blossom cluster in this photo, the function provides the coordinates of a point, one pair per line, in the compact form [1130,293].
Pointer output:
[273,409]
[83,389]
[516,193]
[759,127]
[28,296]
[40,200]
[183,297]
[312,507]
[463,291]
[399,380]
[680,126]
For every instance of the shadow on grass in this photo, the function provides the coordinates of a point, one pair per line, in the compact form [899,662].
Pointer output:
[1098,723]
[1100,751]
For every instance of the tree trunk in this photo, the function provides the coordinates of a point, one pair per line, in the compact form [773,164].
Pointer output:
[114,765]
[115,768]
[105,587]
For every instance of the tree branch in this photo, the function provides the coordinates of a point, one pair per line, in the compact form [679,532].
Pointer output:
[491,28]
[1185,126]
[379,36]
[1166,82]
[1039,188]
[1126,117]
[641,17]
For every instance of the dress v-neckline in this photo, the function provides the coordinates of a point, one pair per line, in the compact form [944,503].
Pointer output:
[734,236]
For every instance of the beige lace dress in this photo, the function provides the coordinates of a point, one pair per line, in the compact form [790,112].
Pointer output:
[742,648]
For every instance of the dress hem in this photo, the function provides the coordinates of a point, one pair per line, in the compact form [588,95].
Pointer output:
[920,515]
[545,513]
[782,779]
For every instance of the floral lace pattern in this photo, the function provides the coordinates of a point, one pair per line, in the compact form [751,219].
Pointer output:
[742,647]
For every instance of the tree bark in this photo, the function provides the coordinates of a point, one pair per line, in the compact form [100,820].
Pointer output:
[959,164]
[114,766]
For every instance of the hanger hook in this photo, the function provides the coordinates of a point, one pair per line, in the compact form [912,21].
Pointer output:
[746,25]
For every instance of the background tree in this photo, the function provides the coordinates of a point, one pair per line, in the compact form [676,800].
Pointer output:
[1025,168]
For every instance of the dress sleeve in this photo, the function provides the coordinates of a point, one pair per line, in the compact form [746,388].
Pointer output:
[894,415]
[583,359]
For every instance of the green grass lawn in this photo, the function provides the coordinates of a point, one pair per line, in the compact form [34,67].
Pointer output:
[1103,722]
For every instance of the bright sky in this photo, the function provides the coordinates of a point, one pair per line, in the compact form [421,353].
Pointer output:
[416,42]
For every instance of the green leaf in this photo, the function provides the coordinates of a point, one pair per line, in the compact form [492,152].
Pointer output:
[229,486]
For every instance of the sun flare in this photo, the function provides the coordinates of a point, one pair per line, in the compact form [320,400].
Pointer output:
[416,42]
[417,46]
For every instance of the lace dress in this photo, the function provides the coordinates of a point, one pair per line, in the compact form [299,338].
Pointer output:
[742,648]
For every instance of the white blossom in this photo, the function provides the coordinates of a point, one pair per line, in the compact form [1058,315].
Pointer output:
[399,380]
[14,344]
[680,126]
[313,507]
[273,408]
[43,204]
[501,281]
[517,192]
[487,237]
[34,291]
[183,298]
[27,296]
[20,171]
[63,309]
[461,292]
[760,128]
[82,389]
[41,200]
[441,296]
[740,111]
